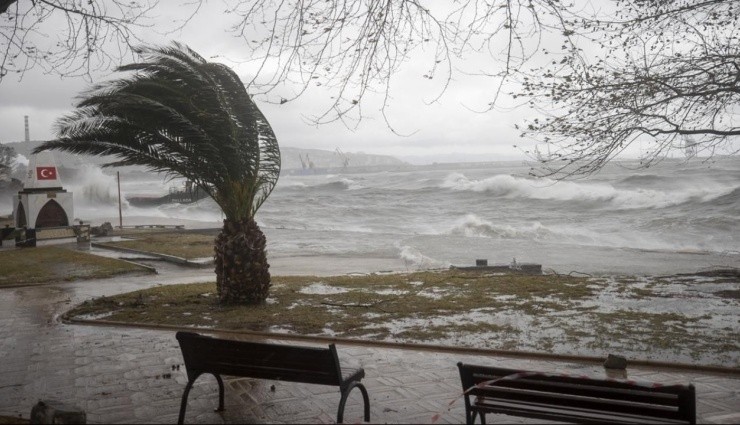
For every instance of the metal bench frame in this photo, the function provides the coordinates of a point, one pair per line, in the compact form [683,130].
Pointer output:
[570,398]
[204,354]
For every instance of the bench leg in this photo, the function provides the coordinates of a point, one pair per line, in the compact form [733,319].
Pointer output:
[184,403]
[343,401]
[470,417]
[220,393]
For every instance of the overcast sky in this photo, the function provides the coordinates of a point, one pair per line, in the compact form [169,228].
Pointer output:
[441,131]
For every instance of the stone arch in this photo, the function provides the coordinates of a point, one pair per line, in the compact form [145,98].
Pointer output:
[52,215]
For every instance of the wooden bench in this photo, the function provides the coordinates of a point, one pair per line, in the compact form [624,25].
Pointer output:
[203,354]
[577,399]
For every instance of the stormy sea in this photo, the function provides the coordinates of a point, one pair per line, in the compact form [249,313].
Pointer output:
[674,217]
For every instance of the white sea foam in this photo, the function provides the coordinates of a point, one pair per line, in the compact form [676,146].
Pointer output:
[93,187]
[349,184]
[321,288]
[204,210]
[328,182]
[285,183]
[504,185]
[416,260]
[473,226]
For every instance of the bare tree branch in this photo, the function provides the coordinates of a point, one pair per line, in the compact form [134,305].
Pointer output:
[354,48]
[663,71]
[71,37]
[7,162]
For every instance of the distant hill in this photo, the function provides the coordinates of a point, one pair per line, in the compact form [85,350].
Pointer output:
[322,160]
[300,159]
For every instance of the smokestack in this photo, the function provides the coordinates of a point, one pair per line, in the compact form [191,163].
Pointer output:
[28,133]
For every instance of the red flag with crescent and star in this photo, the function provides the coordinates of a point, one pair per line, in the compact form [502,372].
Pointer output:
[46,173]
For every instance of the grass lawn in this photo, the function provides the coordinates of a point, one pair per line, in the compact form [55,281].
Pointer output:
[184,245]
[53,263]
[558,314]
[344,304]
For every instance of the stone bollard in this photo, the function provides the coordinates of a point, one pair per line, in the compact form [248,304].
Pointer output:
[54,412]
[5,233]
[614,361]
[82,232]
[26,238]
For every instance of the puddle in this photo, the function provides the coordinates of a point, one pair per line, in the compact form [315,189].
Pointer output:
[321,288]
[95,316]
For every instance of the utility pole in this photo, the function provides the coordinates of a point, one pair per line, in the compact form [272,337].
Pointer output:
[120,216]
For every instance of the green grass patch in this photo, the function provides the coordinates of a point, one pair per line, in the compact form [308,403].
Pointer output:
[52,263]
[350,306]
[184,245]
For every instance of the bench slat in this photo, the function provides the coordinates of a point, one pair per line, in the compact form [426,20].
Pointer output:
[304,361]
[588,390]
[275,373]
[533,410]
[577,402]
[481,373]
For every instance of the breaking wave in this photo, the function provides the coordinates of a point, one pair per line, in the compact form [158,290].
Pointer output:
[414,259]
[339,184]
[290,184]
[730,198]
[504,185]
[473,226]
[93,187]
[644,179]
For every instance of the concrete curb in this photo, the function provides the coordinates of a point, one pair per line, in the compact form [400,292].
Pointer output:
[169,258]
[151,269]
[408,346]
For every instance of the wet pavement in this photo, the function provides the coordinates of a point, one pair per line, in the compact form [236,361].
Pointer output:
[126,375]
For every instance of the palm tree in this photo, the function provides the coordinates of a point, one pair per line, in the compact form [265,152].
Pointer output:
[179,114]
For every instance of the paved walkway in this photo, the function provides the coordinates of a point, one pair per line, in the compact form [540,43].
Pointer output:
[121,375]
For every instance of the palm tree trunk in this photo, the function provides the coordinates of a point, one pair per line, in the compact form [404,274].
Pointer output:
[242,275]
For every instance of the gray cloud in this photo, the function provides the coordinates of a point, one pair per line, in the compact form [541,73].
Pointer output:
[444,127]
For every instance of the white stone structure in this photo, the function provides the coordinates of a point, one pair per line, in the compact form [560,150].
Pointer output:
[43,202]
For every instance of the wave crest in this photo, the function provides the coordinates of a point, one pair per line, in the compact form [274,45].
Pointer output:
[415,259]
[341,183]
[504,185]
[93,187]
[473,226]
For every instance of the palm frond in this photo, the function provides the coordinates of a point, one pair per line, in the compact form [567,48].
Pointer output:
[179,114]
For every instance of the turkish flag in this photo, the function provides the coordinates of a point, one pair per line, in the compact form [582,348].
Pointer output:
[46,173]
